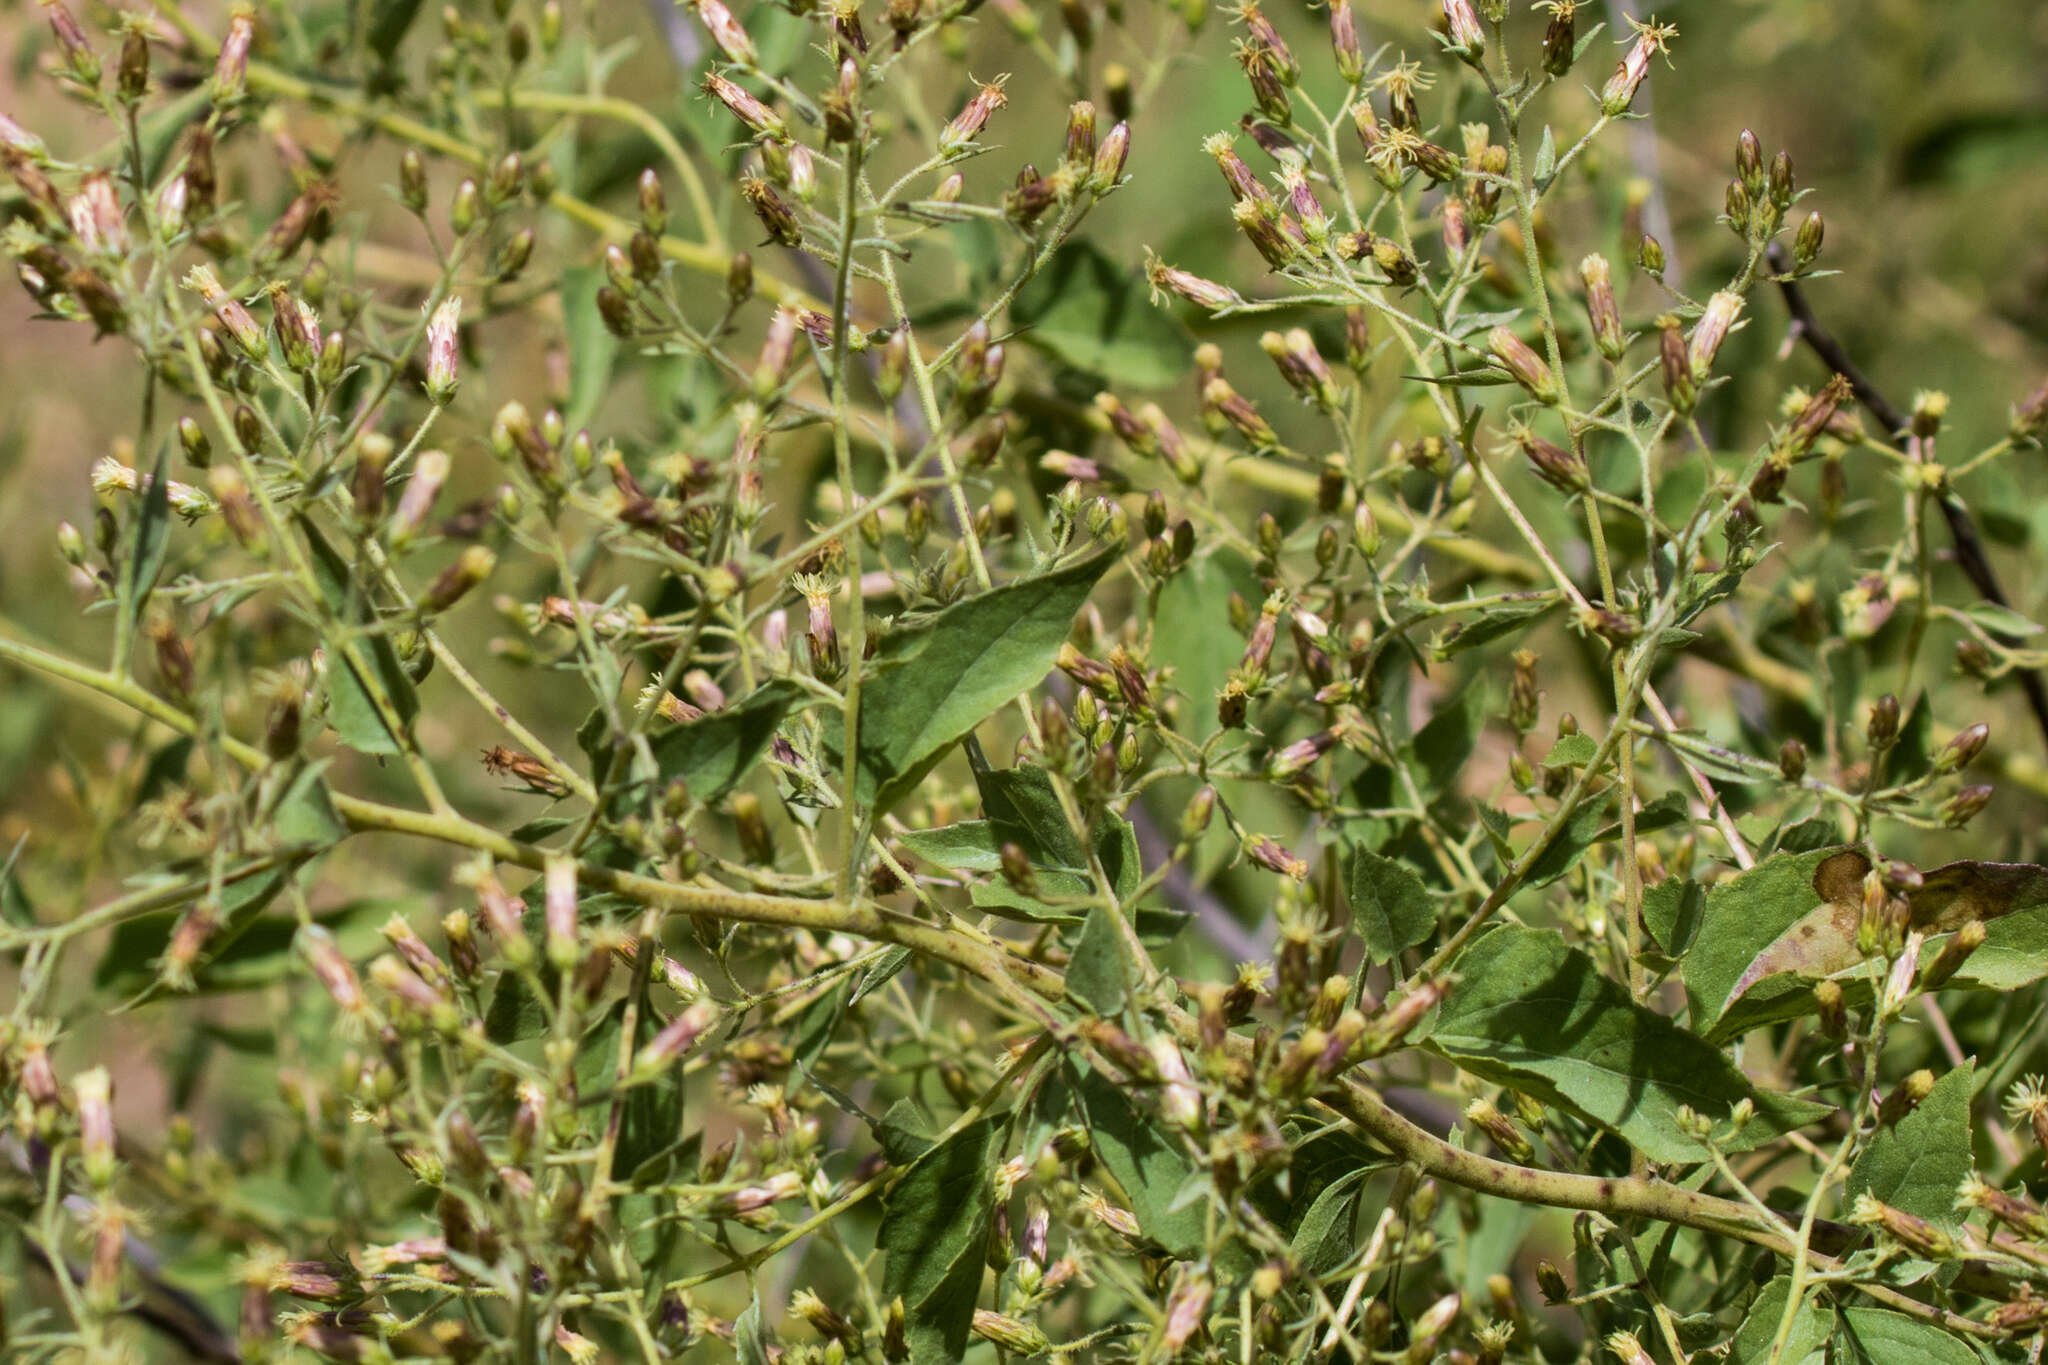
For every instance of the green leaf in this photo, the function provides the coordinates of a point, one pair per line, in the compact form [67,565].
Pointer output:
[1325,1237]
[651,1120]
[1671,912]
[389,21]
[1023,807]
[881,974]
[1791,920]
[748,1344]
[1531,1011]
[2000,620]
[1146,1160]
[1744,916]
[1572,751]
[152,542]
[713,753]
[1878,1336]
[305,814]
[934,1236]
[1917,1163]
[1583,828]
[1493,623]
[593,350]
[1391,907]
[515,1012]
[1441,747]
[1098,976]
[350,710]
[1807,1342]
[970,846]
[1913,754]
[1093,314]
[933,682]
[1191,633]
[1546,159]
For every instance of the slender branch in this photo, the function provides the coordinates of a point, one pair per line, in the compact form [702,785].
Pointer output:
[1970,554]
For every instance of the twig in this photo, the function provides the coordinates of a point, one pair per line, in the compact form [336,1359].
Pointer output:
[1962,529]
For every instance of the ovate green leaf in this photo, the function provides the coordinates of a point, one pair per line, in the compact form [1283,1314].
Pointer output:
[1917,1163]
[1391,907]
[1096,315]
[935,681]
[1530,1010]
[934,1236]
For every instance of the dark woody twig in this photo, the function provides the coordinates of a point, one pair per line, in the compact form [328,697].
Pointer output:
[1970,555]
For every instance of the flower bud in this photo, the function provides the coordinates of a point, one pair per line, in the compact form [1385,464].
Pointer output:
[1965,805]
[1520,361]
[1676,364]
[77,48]
[471,568]
[1711,330]
[726,31]
[1468,39]
[1560,37]
[465,208]
[965,126]
[1962,749]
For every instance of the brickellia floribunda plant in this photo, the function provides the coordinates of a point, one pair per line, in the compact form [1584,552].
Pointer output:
[718,727]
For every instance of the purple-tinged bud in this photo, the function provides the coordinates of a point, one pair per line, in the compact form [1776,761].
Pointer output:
[1344,42]
[238,321]
[1676,365]
[444,337]
[1196,290]
[93,1092]
[1620,91]
[775,213]
[1627,1348]
[78,53]
[416,504]
[231,66]
[1712,329]
[1264,35]
[1564,470]
[674,1041]
[745,107]
[1237,412]
[332,969]
[1302,366]
[95,215]
[560,905]
[1749,163]
[472,567]
[1107,170]
[1520,361]
[1274,857]
[1468,38]
[1187,1307]
[726,31]
[966,125]
[1601,306]
[1817,416]
[1965,805]
[1962,750]
[15,139]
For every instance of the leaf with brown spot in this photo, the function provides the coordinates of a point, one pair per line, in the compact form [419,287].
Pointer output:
[1791,920]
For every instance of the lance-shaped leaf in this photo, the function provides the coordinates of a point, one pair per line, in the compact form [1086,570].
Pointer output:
[934,1236]
[934,681]
[1770,932]
[1531,1011]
